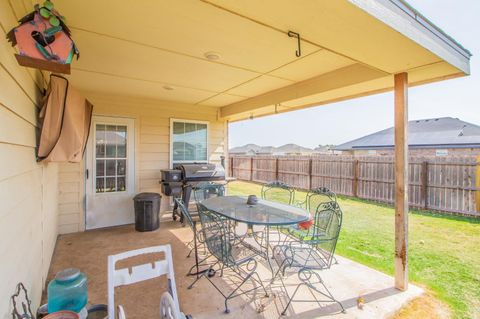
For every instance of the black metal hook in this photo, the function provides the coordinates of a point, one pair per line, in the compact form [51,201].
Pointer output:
[292,34]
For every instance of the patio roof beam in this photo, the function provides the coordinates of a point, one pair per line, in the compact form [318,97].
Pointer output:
[401,181]
[350,75]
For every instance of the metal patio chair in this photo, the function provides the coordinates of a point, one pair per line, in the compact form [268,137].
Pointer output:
[313,200]
[197,240]
[313,254]
[316,197]
[201,191]
[206,190]
[219,240]
[280,192]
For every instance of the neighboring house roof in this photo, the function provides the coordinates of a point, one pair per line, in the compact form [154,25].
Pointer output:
[256,149]
[445,132]
[323,148]
[292,148]
[252,148]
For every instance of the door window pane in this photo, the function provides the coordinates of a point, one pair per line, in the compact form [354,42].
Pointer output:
[121,165]
[100,168]
[100,185]
[111,137]
[121,183]
[110,184]
[111,158]
[189,142]
[121,141]
[100,141]
[110,168]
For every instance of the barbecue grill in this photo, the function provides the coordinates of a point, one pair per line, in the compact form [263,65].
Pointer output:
[178,182]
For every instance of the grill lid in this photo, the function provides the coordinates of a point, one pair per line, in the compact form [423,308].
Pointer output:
[202,172]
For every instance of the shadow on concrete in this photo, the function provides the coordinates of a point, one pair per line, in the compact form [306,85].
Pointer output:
[334,308]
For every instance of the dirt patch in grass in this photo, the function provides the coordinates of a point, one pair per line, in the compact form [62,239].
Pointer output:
[425,307]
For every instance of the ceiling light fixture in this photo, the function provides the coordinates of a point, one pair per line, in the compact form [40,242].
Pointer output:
[212,56]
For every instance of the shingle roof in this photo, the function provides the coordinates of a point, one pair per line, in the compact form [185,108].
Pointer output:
[444,132]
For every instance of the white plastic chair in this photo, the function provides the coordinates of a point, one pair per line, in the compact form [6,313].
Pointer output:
[169,306]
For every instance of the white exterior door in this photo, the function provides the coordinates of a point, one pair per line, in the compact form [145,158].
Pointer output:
[110,172]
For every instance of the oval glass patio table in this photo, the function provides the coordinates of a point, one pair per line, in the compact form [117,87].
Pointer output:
[265,212]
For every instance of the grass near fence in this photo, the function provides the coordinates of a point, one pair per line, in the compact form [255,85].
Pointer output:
[444,250]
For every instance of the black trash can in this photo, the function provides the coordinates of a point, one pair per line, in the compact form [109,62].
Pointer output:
[147,209]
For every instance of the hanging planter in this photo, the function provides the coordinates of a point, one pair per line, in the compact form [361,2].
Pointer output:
[43,40]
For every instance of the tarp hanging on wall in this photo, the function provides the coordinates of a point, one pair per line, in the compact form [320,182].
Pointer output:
[66,116]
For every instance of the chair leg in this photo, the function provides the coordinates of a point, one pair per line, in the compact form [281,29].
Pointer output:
[311,286]
[221,270]
[281,267]
[204,273]
[291,299]
[195,245]
[331,296]
[194,270]
[335,260]
[261,283]
[190,252]
[197,279]
[232,294]
[226,306]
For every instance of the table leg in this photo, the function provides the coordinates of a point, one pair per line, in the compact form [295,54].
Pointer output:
[267,245]
[264,244]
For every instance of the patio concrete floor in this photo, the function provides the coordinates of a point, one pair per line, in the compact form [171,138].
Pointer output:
[347,280]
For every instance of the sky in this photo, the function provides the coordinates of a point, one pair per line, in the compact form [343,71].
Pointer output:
[344,121]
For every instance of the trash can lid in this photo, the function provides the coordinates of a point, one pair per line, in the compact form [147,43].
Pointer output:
[146,196]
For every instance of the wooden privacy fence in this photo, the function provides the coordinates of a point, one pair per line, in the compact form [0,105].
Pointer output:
[448,184]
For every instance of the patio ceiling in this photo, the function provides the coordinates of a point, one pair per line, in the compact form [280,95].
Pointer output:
[156,49]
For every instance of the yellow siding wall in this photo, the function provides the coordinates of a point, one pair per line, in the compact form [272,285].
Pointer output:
[152,148]
[28,190]
[70,201]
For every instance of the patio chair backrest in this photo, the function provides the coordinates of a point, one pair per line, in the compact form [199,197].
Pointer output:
[126,276]
[326,230]
[317,196]
[206,190]
[217,235]
[278,192]
[185,212]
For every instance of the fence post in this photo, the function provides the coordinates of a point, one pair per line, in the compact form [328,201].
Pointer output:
[310,173]
[355,177]
[251,168]
[424,184]
[477,185]
[276,168]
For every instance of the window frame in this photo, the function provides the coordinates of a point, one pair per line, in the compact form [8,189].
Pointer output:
[131,167]
[177,120]
[126,159]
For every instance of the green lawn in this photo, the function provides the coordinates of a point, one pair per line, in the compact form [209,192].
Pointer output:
[444,251]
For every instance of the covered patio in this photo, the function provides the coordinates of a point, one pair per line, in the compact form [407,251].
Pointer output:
[347,280]
[165,80]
